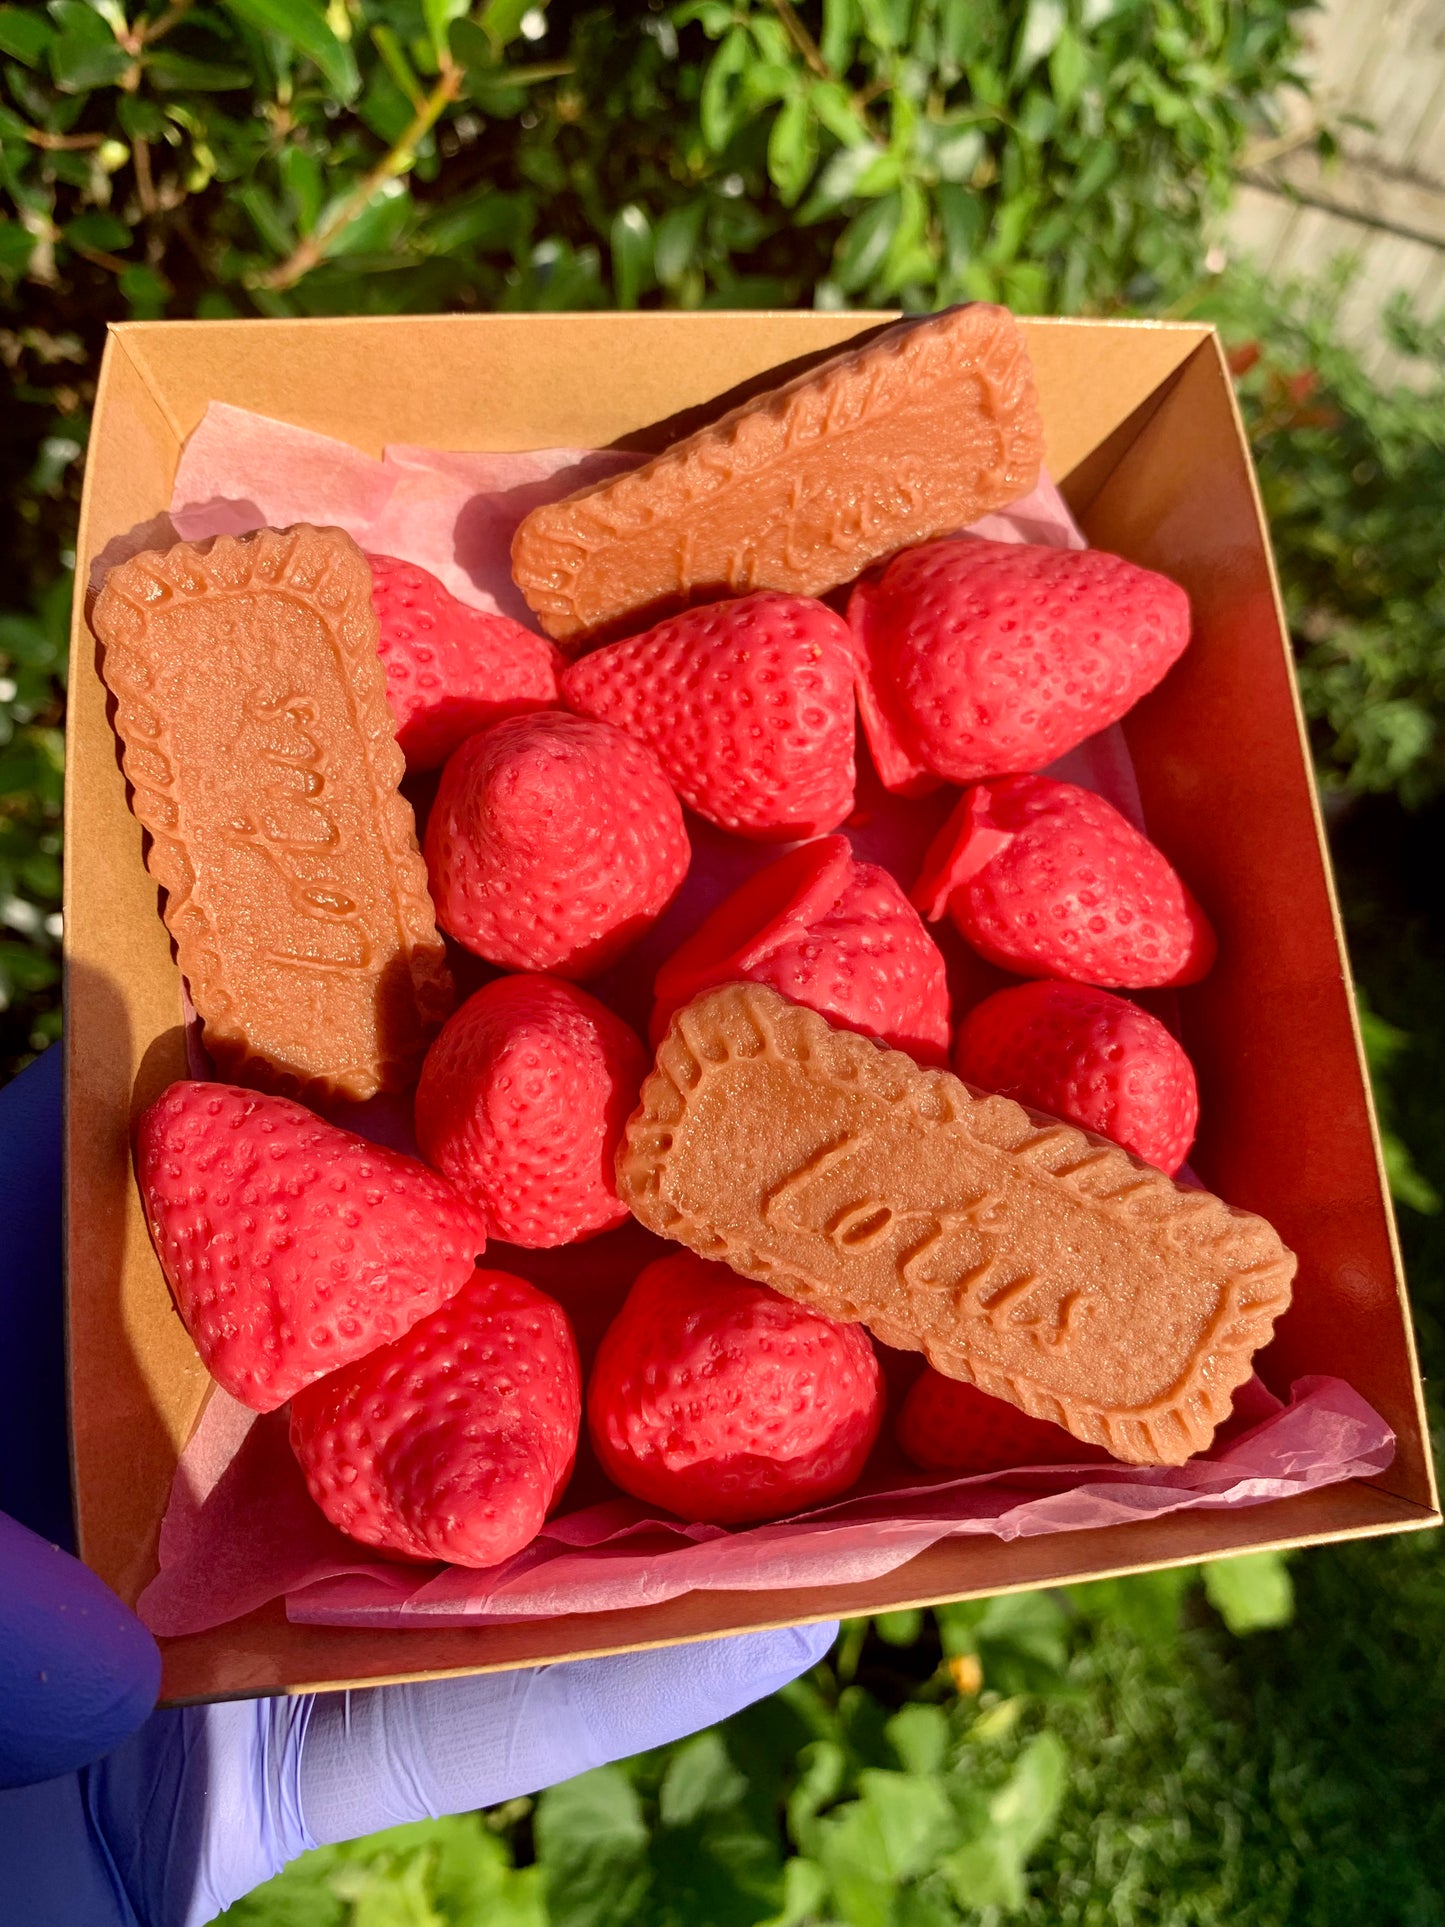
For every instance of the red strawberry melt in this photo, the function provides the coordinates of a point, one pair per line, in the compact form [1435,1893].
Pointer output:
[1089,1057]
[829,932]
[718,1400]
[455,1442]
[553,842]
[521,1104]
[748,704]
[451,669]
[946,1425]
[292,1247]
[1048,880]
[978,658]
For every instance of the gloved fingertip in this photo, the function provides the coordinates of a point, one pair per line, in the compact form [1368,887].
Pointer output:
[78,1673]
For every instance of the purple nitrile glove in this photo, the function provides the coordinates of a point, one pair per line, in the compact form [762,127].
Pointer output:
[116,1819]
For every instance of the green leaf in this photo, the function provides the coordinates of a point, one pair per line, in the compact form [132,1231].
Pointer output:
[16,248]
[400,69]
[793,148]
[841,22]
[24,35]
[675,242]
[1147,1604]
[915,1819]
[379,225]
[988,1871]
[1068,69]
[919,1736]
[715,17]
[953,152]
[1026,1807]
[853,172]
[1408,1183]
[146,291]
[630,238]
[439,14]
[822,1774]
[592,1848]
[472,49]
[699,1778]
[98,229]
[266,217]
[141,119]
[22,968]
[1022,1642]
[1251,1592]
[482,223]
[969,28]
[1044,22]
[302,25]
[765,81]
[168,69]
[84,54]
[885,22]
[833,105]
[903,1628]
[805,1893]
[301,178]
[1097,170]
[961,216]
[718,112]
[502,19]
[851,1853]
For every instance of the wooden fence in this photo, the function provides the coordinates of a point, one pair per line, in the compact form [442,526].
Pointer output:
[1382,202]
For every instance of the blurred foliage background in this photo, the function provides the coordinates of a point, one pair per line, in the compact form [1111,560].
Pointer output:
[1256,1743]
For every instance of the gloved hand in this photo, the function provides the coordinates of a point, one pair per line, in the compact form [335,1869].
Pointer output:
[166,1827]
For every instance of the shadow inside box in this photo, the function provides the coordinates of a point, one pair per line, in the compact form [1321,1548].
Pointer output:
[114,1412]
[658,436]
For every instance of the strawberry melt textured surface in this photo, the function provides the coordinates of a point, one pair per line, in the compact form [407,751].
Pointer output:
[292,1247]
[453,1442]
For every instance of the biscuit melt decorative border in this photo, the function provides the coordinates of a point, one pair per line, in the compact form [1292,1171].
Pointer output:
[334,579]
[748,1020]
[555,544]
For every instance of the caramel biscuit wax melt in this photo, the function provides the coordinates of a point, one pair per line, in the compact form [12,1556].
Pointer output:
[923,430]
[1032,1259]
[251,707]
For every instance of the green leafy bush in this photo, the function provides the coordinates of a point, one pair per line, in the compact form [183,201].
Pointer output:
[911,1781]
[32,765]
[266,155]
[1352,475]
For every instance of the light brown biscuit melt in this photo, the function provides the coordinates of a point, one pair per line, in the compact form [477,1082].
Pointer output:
[925,429]
[251,708]
[1032,1259]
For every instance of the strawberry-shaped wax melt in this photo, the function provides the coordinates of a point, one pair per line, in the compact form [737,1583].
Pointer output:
[945,1425]
[720,1401]
[1048,880]
[292,1247]
[748,704]
[980,658]
[455,1442]
[829,932]
[521,1104]
[1089,1057]
[451,669]
[553,842]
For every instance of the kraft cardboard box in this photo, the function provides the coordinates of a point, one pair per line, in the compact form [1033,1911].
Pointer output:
[1144,438]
